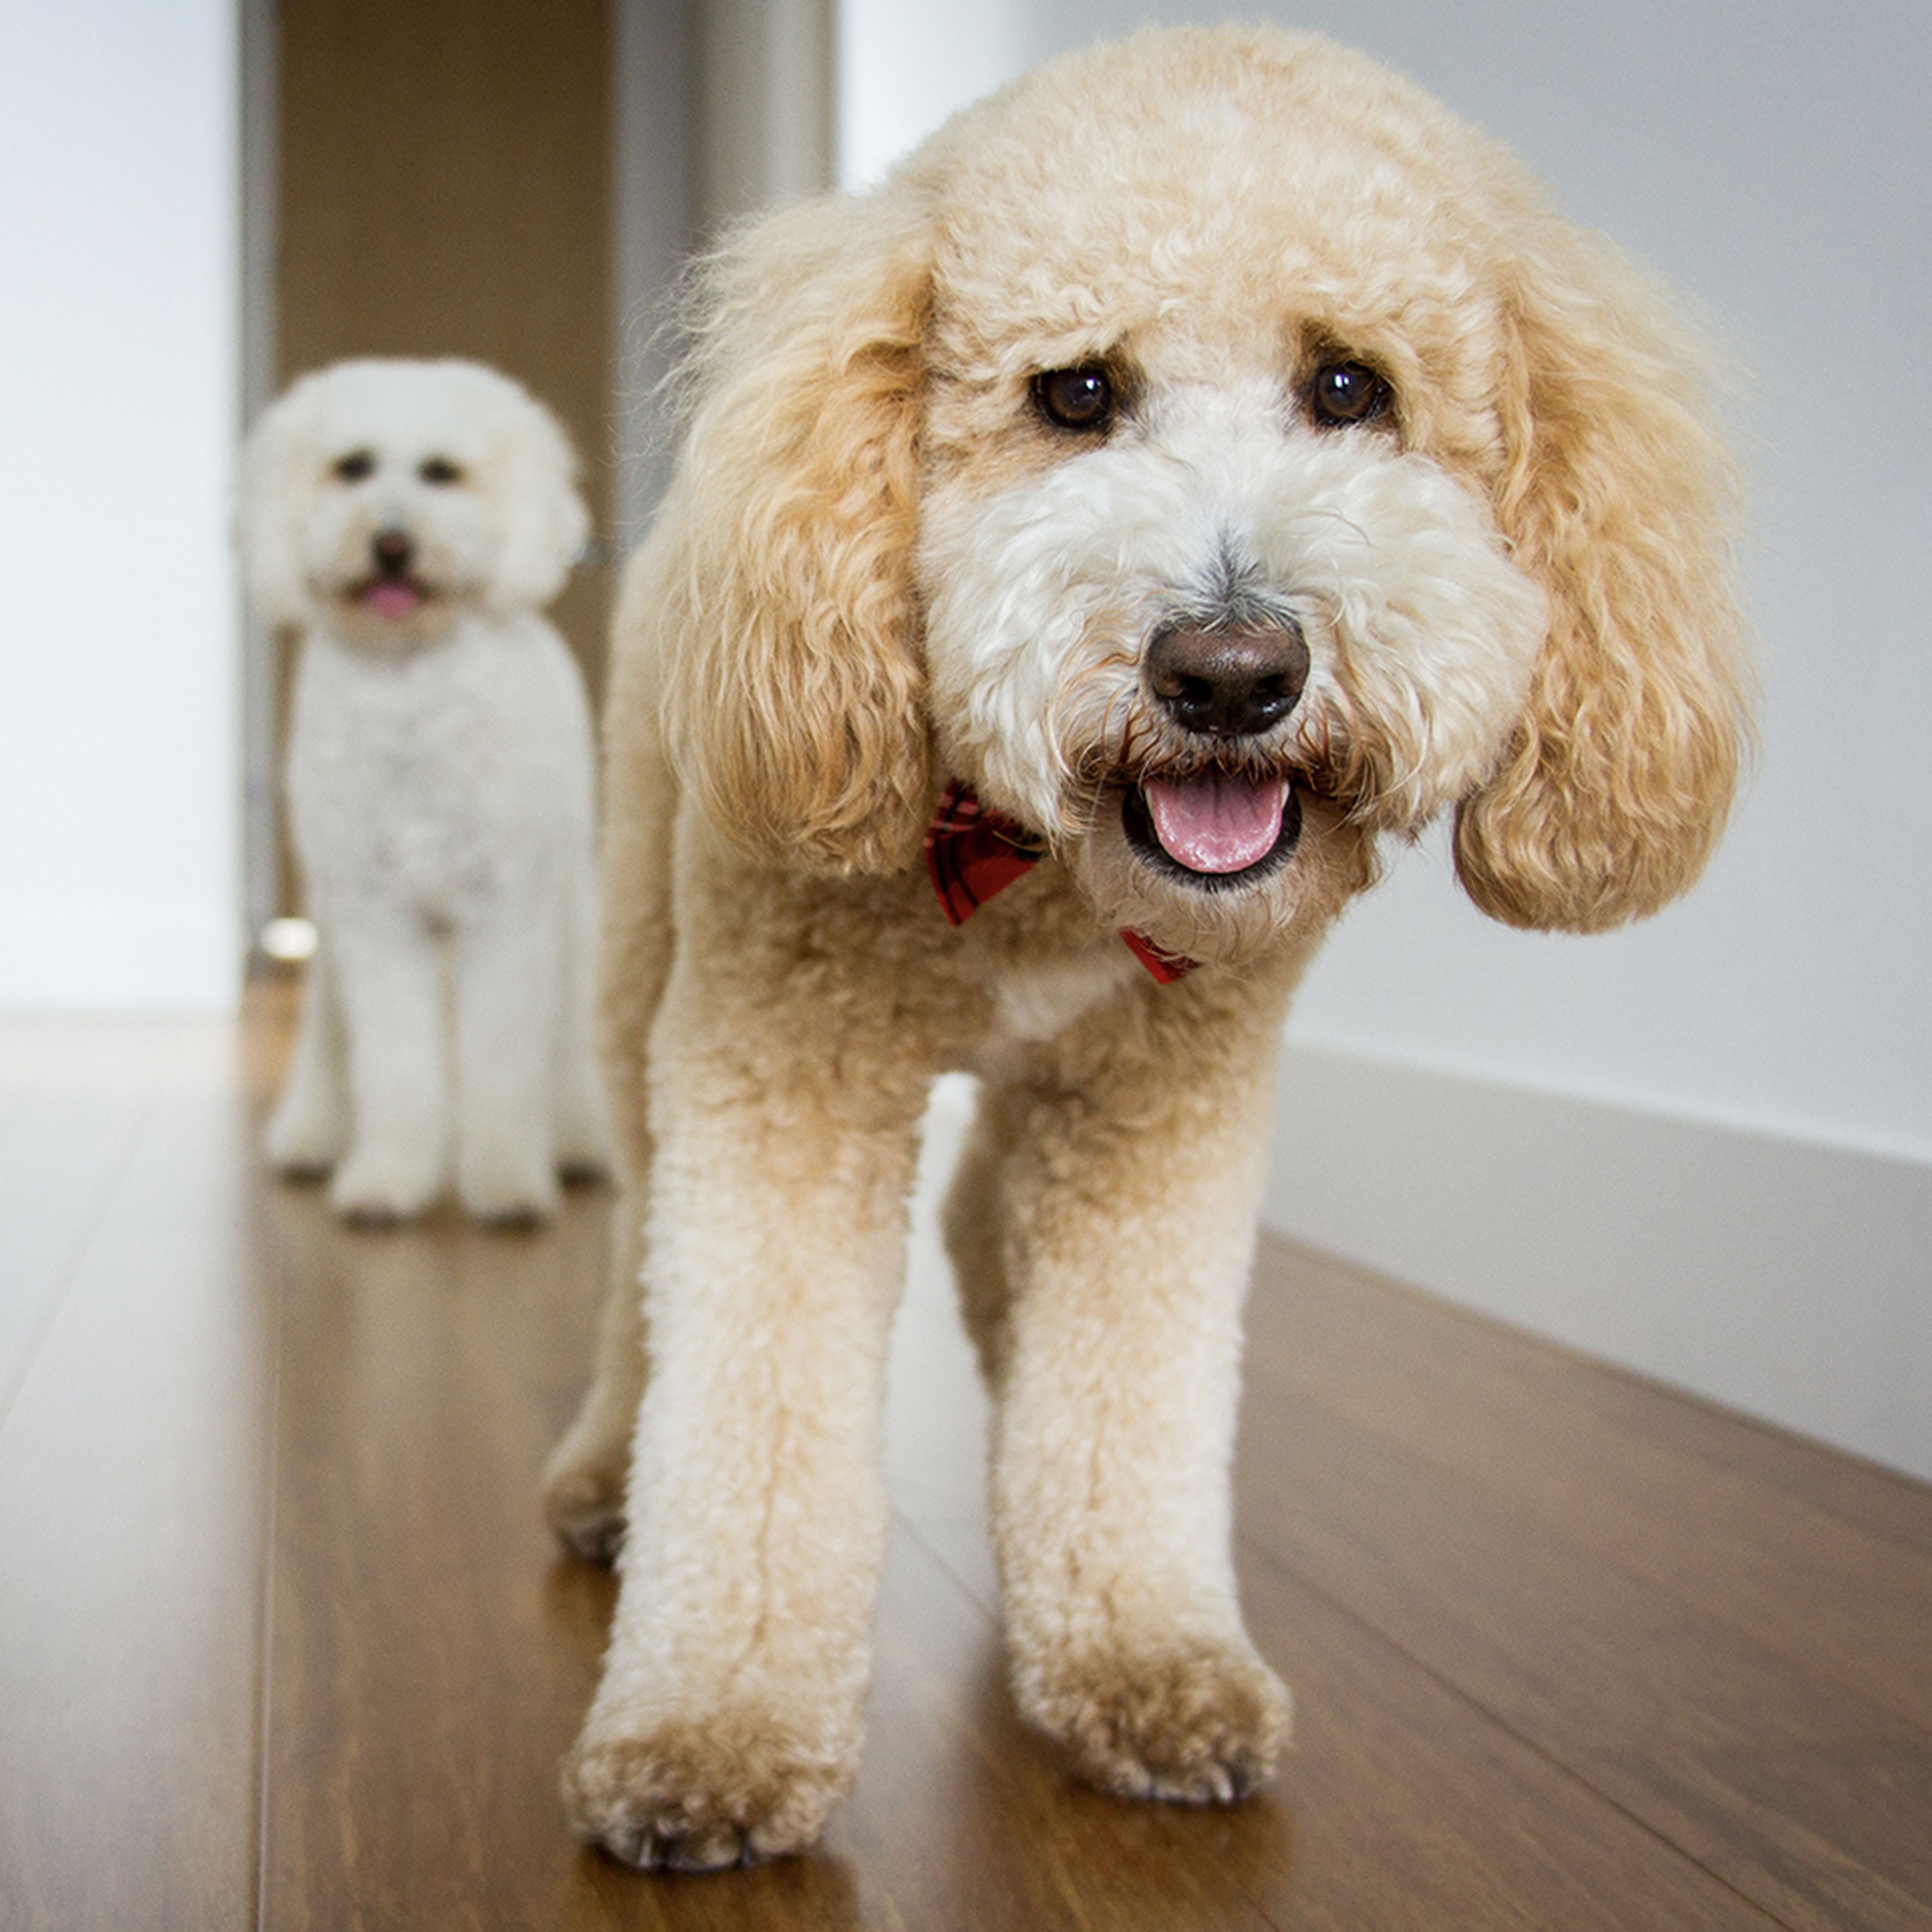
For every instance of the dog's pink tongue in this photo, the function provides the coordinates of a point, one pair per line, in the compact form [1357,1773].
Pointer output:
[1216,822]
[389,599]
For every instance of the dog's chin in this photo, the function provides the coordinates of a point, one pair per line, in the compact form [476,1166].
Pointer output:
[1146,870]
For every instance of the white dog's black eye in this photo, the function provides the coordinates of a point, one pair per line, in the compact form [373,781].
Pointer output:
[1347,392]
[356,465]
[1081,398]
[440,469]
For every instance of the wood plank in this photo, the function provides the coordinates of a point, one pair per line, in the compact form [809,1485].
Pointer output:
[1559,1436]
[132,1468]
[961,1819]
[1415,1808]
[1520,1574]
[1402,1804]
[1401,1807]
[75,1092]
[63,1148]
[1513,1707]
[431,1657]
[431,1652]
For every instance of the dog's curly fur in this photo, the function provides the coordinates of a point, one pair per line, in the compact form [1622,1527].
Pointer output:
[412,519]
[1334,384]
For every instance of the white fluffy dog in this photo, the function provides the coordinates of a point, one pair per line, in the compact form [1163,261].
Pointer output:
[413,518]
[1200,464]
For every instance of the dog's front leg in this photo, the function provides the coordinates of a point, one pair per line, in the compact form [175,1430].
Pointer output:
[387,975]
[309,1130]
[1130,1182]
[728,1721]
[584,1149]
[508,962]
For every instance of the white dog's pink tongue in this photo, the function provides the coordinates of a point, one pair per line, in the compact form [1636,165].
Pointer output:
[388,598]
[1216,822]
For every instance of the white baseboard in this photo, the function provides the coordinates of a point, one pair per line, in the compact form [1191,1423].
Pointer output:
[1788,1278]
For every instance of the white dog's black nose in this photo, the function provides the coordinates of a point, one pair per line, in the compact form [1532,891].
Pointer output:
[393,551]
[1229,682]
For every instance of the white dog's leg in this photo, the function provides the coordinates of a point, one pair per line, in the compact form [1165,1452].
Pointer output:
[728,1721]
[389,979]
[508,995]
[1130,1225]
[309,1130]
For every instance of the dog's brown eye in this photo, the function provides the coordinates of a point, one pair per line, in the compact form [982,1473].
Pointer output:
[1080,398]
[1347,392]
[440,469]
[356,465]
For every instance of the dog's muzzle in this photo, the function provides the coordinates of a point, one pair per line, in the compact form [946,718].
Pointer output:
[392,590]
[1222,821]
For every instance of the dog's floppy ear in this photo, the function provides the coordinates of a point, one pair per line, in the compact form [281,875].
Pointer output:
[777,589]
[1616,496]
[546,523]
[272,498]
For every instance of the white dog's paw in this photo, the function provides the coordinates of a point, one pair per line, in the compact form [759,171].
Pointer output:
[583,1494]
[584,1148]
[583,1166]
[507,1190]
[701,1794]
[379,1186]
[1196,1722]
[304,1142]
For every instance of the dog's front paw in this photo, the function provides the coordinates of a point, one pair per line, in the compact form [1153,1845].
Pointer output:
[303,1142]
[583,1494]
[584,1147]
[507,1191]
[1195,1723]
[702,1795]
[377,1187]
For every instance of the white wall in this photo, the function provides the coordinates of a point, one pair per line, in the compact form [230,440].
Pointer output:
[1773,159]
[654,204]
[119,389]
[904,66]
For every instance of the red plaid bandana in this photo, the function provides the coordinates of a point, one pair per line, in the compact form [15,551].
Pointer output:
[973,854]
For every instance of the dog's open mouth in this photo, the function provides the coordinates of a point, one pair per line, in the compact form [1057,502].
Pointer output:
[394,598]
[1214,829]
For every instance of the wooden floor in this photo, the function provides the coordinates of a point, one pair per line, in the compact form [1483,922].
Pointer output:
[283,1642]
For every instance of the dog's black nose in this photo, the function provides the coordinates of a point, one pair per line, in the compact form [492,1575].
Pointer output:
[393,552]
[1230,682]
